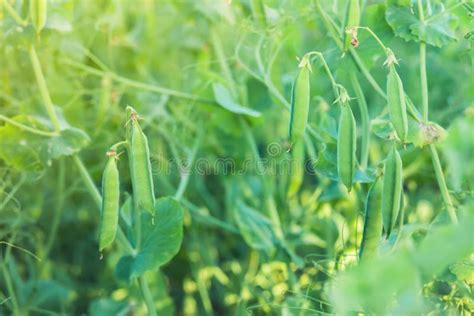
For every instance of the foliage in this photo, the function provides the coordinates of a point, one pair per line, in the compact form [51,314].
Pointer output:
[212,83]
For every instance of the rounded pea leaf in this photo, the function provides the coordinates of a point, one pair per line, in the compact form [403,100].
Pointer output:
[26,151]
[160,242]
[437,31]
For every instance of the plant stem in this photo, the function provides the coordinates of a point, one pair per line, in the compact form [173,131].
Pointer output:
[442,184]
[328,71]
[13,13]
[6,276]
[187,174]
[28,128]
[372,33]
[258,12]
[137,84]
[365,121]
[58,208]
[48,103]
[424,81]
[117,145]
[368,76]
[219,51]
[91,188]
[150,304]
[12,192]
[425,102]
[355,56]
[423,76]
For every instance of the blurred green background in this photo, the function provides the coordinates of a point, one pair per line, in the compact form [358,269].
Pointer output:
[212,81]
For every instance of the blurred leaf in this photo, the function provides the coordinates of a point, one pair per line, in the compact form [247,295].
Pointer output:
[382,128]
[108,307]
[47,294]
[464,270]
[326,163]
[459,148]
[373,285]
[71,141]
[26,151]
[225,99]
[255,228]
[440,240]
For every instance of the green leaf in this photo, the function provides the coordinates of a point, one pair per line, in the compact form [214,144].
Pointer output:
[108,307]
[160,242]
[382,128]
[70,141]
[255,228]
[47,294]
[400,18]
[225,99]
[326,163]
[440,241]
[371,286]
[26,151]
[464,270]
[437,31]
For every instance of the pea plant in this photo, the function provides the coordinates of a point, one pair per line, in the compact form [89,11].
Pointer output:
[175,158]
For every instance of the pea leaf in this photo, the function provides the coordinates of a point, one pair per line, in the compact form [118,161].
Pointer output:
[225,99]
[70,141]
[437,31]
[26,151]
[326,165]
[255,228]
[160,242]
[101,307]
[382,128]
[47,293]
[464,270]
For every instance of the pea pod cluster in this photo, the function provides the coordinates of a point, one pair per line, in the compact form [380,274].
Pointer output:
[352,21]
[140,165]
[110,202]
[38,10]
[373,222]
[300,102]
[392,190]
[346,146]
[396,103]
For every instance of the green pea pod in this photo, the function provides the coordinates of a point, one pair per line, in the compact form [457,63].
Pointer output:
[397,104]
[140,166]
[296,168]
[392,190]
[38,10]
[300,102]
[110,202]
[346,146]
[352,21]
[373,222]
